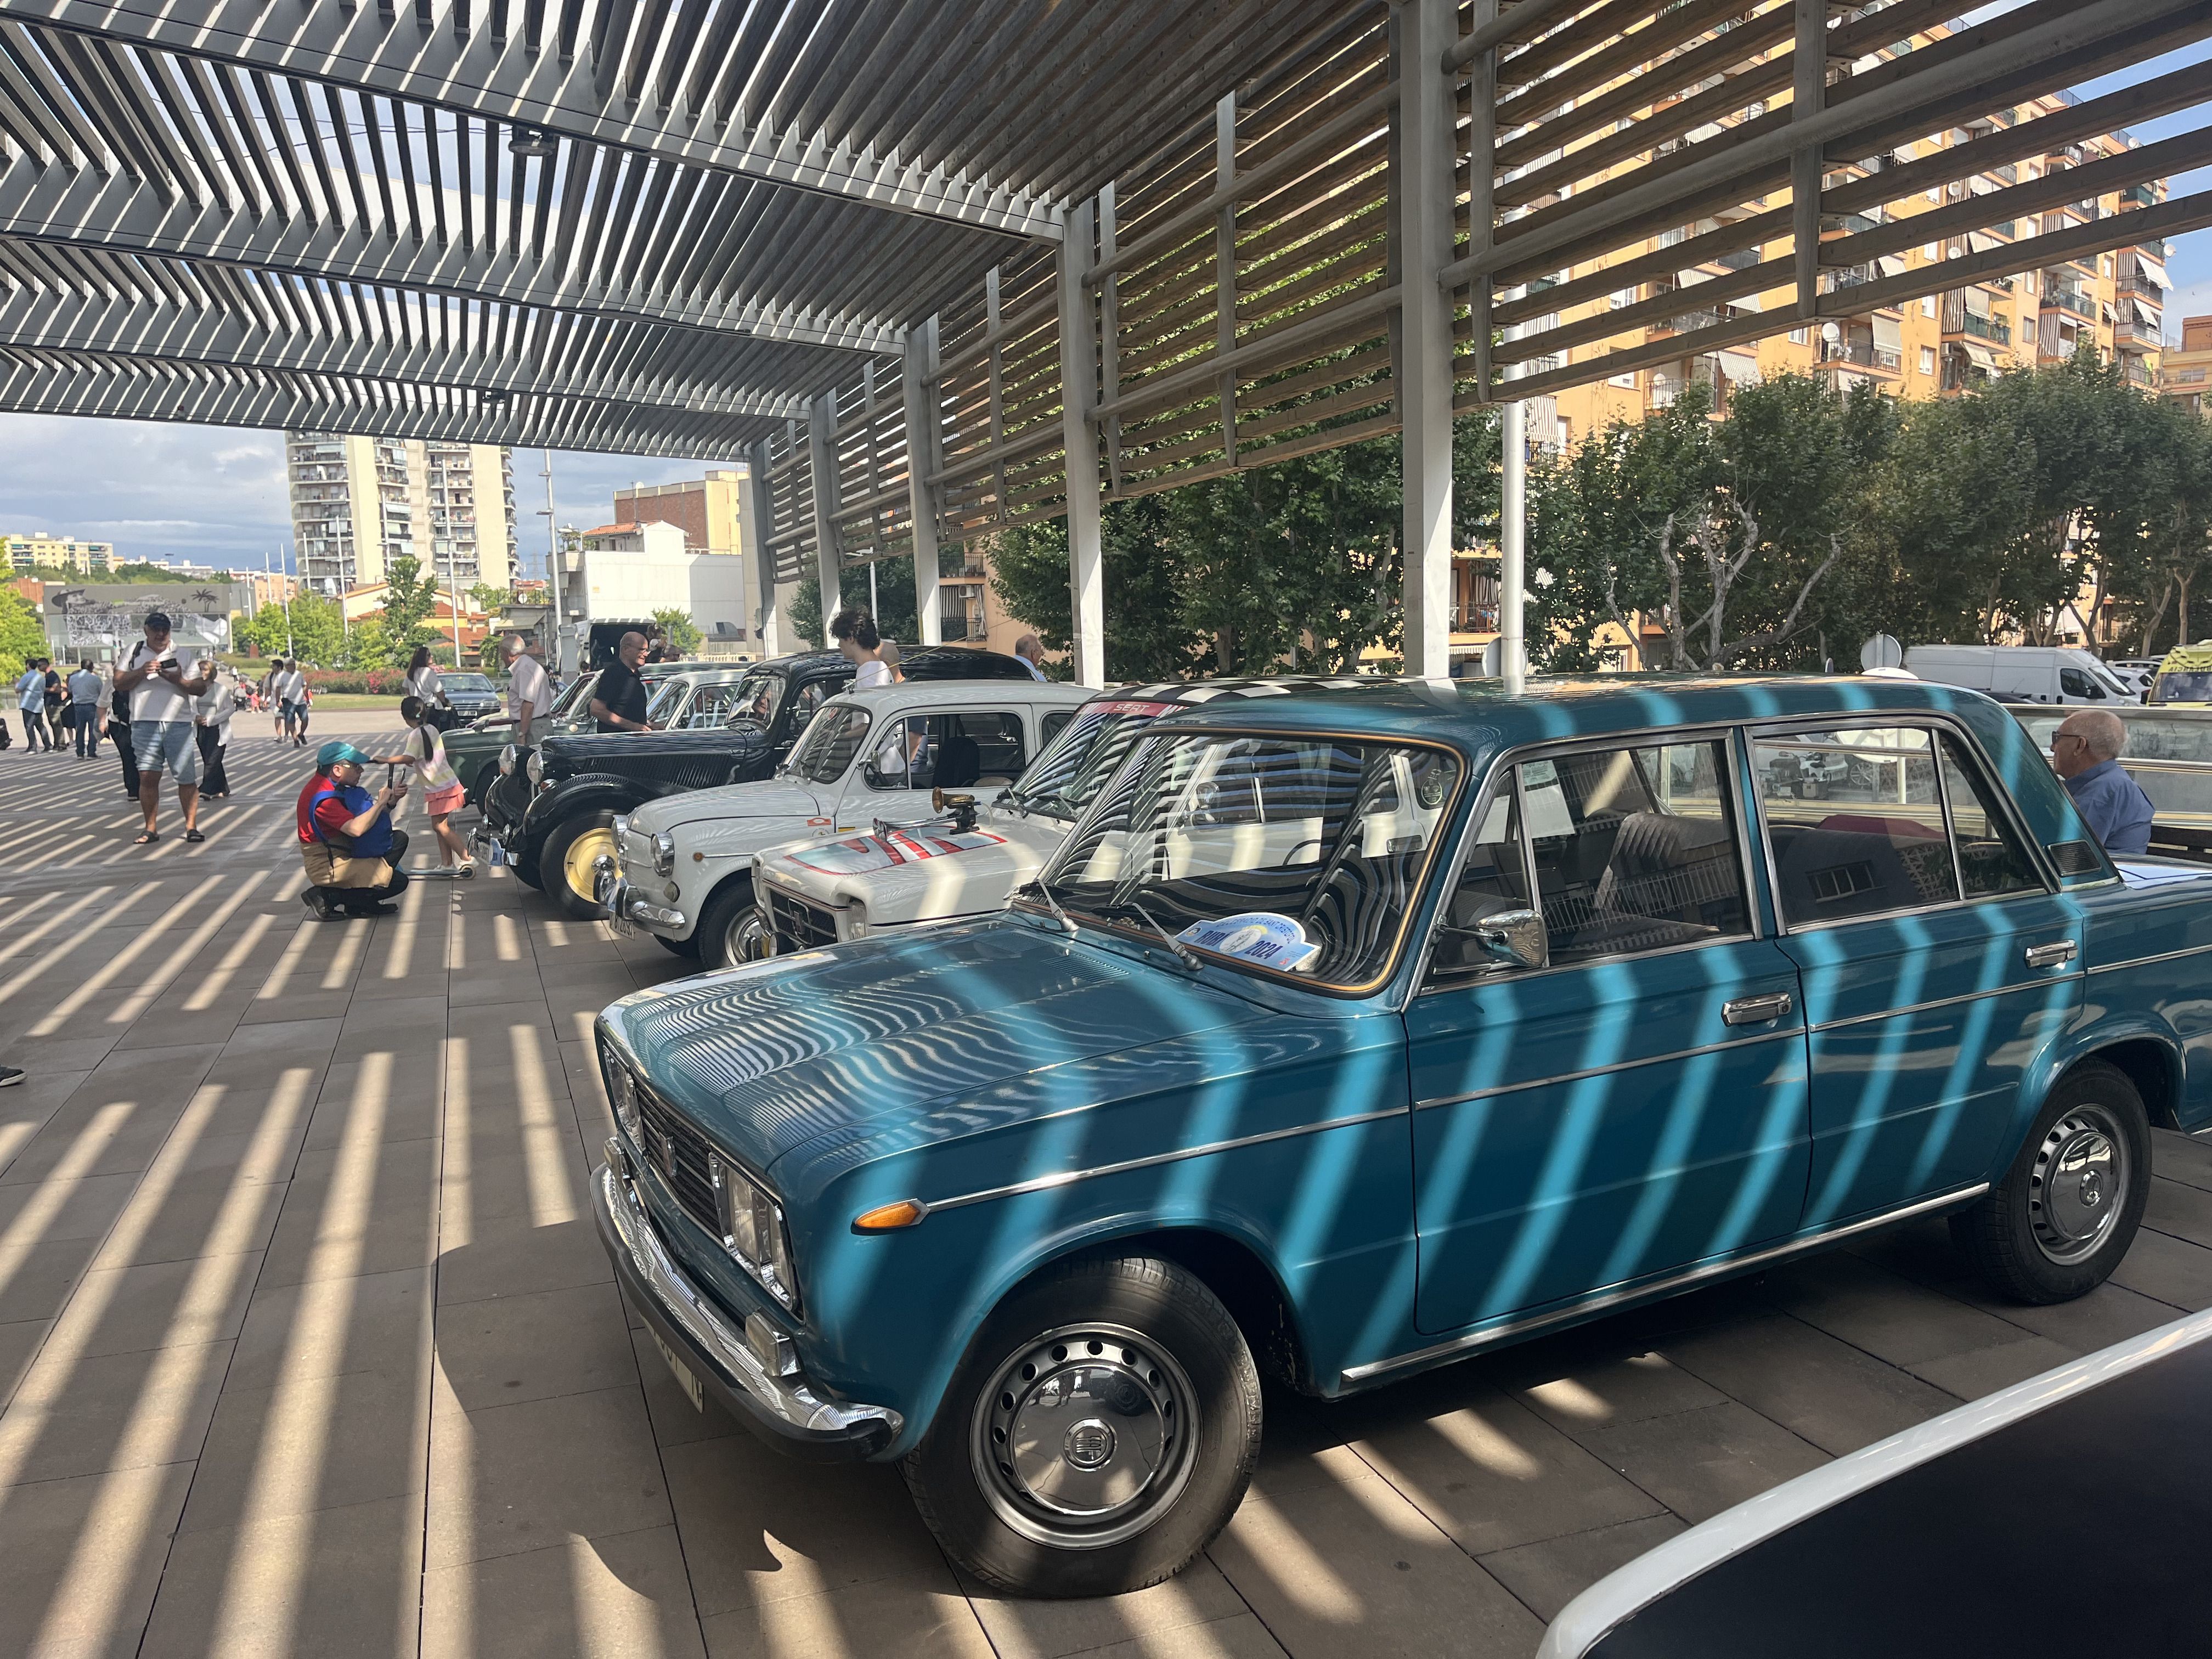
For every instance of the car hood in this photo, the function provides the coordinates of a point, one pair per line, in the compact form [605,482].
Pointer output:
[775,1054]
[700,809]
[570,756]
[923,874]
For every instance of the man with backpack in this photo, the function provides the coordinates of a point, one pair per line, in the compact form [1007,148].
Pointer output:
[347,845]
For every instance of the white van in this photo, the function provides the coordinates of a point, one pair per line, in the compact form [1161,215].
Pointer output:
[2023,673]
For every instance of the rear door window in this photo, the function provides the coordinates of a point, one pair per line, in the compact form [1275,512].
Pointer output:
[1854,821]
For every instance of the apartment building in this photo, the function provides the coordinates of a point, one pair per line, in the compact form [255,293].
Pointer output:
[35,550]
[2185,373]
[359,503]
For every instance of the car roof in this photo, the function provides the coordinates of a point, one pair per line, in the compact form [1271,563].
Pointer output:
[896,699]
[932,658]
[1480,715]
[2186,659]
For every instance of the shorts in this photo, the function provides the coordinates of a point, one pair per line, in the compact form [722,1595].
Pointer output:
[327,869]
[166,746]
[448,799]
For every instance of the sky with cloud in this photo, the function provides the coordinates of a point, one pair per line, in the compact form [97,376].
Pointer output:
[215,495]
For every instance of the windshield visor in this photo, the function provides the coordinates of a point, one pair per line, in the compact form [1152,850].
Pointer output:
[1296,855]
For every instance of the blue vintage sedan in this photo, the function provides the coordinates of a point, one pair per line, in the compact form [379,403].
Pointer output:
[1362,1029]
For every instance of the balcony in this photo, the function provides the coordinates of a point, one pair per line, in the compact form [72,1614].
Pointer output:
[1861,353]
[2067,298]
[1996,330]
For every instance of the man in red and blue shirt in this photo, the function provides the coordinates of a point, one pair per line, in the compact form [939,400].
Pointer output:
[347,842]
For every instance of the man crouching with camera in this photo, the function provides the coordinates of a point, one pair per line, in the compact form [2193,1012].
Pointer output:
[347,842]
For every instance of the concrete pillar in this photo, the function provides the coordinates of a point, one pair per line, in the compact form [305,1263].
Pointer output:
[752,551]
[920,377]
[821,457]
[1425,30]
[1513,549]
[1078,391]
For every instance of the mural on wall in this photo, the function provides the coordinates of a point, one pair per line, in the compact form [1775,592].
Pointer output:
[102,618]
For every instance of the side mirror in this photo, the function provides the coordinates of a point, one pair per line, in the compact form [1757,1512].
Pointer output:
[1513,937]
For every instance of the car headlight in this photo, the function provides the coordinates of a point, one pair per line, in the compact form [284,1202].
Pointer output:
[536,770]
[622,1092]
[507,760]
[856,921]
[752,1228]
[620,829]
[664,853]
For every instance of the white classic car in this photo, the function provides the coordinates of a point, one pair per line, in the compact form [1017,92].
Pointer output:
[684,866]
[841,887]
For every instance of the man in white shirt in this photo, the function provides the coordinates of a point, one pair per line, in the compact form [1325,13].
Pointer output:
[529,692]
[291,690]
[31,700]
[84,689]
[1029,651]
[163,696]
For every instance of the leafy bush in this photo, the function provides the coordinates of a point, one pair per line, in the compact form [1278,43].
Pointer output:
[373,682]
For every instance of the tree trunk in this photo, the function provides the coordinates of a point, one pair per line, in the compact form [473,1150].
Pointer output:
[2182,581]
[2150,627]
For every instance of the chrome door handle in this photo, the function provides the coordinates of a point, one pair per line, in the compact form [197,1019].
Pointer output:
[2049,956]
[1757,1010]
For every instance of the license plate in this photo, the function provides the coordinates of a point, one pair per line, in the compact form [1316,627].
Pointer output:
[685,1378]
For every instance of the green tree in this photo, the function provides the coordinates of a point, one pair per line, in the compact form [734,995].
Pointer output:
[317,633]
[22,637]
[1141,576]
[894,594]
[490,599]
[677,631]
[410,595]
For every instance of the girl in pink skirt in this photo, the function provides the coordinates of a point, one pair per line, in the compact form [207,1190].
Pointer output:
[441,789]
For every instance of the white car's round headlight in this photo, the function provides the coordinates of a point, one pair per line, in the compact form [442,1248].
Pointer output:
[507,760]
[664,853]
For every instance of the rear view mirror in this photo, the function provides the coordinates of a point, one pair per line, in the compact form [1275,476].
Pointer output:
[1513,937]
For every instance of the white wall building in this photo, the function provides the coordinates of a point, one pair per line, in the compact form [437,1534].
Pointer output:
[358,503]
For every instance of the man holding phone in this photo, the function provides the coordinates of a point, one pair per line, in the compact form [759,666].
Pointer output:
[163,694]
[347,844]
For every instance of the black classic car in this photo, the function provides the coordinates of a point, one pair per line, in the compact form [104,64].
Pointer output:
[576,785]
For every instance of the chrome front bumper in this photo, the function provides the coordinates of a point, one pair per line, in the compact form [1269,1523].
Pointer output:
[624,903]
[766,1392]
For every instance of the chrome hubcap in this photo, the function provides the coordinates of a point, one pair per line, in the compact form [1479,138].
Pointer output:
[747,937]
[1085,1437]
[2079,1184]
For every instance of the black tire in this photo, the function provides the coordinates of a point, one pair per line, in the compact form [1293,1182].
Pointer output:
[731,929]
[2068,1209]
[1136,1333]
[680,947]
[555,858]
[526,872]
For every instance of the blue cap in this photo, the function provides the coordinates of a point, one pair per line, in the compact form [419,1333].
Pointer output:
[334,752]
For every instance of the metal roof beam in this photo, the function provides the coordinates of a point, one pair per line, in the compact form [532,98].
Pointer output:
[117,213]
[84,386]
[155,332]
[506,78]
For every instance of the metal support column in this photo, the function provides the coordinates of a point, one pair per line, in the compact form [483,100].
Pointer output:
[1808,91]
[922,424]
[1425,30]
[821,459]
[752,551]
[1513,548]
[1078,393]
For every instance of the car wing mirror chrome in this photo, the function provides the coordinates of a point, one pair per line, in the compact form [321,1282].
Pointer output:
[1513,937]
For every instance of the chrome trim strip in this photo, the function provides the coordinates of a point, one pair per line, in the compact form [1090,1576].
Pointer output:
[1615,1598]
[1601,1071]
[1046,1183]
[2145,962]
[1628,1291]
[788,1396]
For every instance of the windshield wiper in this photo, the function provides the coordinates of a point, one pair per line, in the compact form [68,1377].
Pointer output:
[1051,904]
[1183,953]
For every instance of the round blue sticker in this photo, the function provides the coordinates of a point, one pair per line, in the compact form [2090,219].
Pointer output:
[1263,938]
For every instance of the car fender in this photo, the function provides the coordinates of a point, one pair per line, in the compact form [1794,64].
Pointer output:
[592,792]
[2082,1042]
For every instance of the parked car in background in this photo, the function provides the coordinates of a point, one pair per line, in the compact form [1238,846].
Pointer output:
[2137,671]
[576,785]
[682,867]
[842,887]
[474,748]
[571,716]
[2184,676]
[2169,755]
[470,695]
[2023,673]
[1937,1543]
[1354,1031]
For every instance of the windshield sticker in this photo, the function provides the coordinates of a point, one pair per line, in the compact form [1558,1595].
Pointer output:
[865,854]
[1260,937]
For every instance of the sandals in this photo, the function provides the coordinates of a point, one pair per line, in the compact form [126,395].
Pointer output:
[147,839]
[194,836]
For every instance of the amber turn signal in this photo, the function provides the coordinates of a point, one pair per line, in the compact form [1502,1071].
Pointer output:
[890,1217]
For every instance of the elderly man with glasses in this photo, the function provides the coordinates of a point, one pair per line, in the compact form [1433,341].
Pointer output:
[2086,752]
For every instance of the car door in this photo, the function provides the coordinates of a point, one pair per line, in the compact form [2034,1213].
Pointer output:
[1936,961]
[1637,1101]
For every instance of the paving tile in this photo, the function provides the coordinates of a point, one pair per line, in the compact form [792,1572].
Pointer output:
[36,1279]
[520,1477]
[126,1411]
[68,1591]
[96,1132]
[512,1348]
[504,987]
[1984,1370]
[1817,1387]
[406,1091]
[1699,1463]
[161,1028]
[288,1038]
[517,1175]
[2110,1313]
[624,1596]
[163,1304]
[2182,1157]
[1198,1599]
[332,1325]
[396,1024]
[221,1212]
[520,1260]
[386,1216]
[1492,1474]
[2169,1269]
[1883,1314]
[2184,1211]
[675,1420]
[313,1443]
[54,1055]
[921,1616]
[760,1527]
[1241,1636]
[1588,1383]
[19,1345]
[304,999]
[1351,1566]
[1547,1574]
[50,1211]
[339,1583]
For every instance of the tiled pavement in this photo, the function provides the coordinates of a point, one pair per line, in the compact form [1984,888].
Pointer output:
[307,1346]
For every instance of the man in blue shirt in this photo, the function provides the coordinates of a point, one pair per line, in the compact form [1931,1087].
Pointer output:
[2086,752]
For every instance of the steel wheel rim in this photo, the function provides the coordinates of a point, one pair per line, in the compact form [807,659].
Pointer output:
[583,851]
[2078,1185]
[746,939]
[1086,1437]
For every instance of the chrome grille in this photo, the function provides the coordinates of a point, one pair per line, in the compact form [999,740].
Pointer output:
[680,1154]
[799,924]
